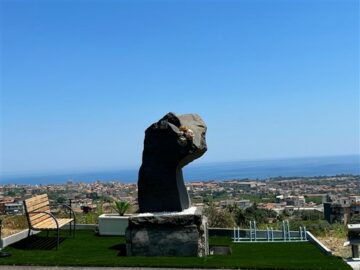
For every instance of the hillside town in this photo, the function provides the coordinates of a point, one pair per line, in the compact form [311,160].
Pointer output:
[326,205]
[335,198]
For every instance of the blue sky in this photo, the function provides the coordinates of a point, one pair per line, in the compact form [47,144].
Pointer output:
[81,80]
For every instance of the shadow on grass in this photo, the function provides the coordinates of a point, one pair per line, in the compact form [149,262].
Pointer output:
[121,248]
[35,242]
[220,250]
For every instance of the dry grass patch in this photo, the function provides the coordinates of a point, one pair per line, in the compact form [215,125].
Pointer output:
[13,224]
[336,245]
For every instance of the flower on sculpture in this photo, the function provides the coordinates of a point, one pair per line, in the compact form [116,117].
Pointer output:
[187,132]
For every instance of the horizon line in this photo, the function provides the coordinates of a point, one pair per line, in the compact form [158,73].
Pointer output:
[131,168]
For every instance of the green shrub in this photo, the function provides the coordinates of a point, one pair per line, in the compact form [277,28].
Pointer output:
[121,207]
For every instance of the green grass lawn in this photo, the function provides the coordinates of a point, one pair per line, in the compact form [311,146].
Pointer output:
[87,249]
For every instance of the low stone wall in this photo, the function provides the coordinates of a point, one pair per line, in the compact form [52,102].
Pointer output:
[11,239]
[317,243]
[82,226]
[221,232]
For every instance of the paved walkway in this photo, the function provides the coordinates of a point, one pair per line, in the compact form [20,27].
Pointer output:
[355,264]
[6,267]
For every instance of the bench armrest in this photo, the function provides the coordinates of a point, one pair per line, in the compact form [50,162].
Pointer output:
[43,212]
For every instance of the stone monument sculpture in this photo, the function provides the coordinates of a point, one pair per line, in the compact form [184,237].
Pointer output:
[170,144]
[166,226]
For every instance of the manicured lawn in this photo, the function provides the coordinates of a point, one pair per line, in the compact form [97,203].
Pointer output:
[87,249]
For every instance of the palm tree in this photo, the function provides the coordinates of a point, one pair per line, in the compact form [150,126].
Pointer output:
[121,207]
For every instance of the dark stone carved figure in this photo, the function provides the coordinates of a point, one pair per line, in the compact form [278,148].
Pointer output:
[170,144]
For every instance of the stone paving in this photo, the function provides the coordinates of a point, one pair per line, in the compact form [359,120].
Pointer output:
[355,264]
[9,267]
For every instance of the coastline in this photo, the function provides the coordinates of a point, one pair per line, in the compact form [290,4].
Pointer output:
[255,169]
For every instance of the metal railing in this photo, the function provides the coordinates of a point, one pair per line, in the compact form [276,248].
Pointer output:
[269,235]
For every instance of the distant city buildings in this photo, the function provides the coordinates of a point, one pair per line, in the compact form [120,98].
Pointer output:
[14,208]
[330,197]
[11,206]
[342,209]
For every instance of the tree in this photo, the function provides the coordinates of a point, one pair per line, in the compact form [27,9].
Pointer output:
[232,208]
[243,217]
[218,218]
[61,200]
[240,217]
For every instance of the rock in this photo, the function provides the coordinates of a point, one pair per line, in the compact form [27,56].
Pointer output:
[158,234]
[170,144]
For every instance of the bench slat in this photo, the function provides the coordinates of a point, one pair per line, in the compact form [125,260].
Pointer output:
[35,207]
[35,216]
[43,197]
[45,208]
[46,223]
[52,225]
[39,218]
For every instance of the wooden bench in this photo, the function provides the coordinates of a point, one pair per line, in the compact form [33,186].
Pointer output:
[40,218]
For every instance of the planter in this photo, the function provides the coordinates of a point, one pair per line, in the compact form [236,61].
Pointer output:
[113,224]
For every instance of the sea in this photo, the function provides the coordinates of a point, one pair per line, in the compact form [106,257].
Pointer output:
[219,171]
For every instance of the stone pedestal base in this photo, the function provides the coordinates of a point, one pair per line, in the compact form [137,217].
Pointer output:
[168,234]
